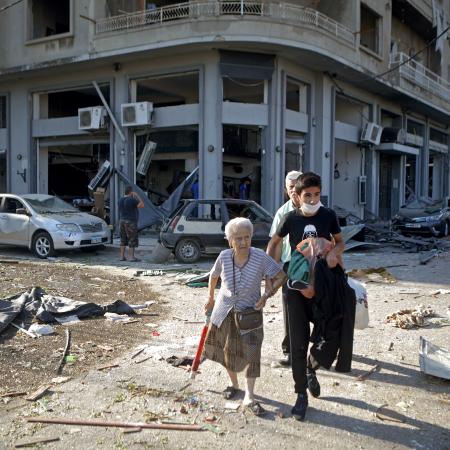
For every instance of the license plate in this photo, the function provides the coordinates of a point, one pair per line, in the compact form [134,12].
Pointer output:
[412,225]
[96,240]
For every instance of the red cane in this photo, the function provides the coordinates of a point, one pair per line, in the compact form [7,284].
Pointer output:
[201,344]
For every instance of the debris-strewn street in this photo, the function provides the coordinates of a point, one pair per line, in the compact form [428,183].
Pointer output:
[385,402]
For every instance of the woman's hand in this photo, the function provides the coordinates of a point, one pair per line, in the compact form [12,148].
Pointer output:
[332,259]
[209,305]
[262,301]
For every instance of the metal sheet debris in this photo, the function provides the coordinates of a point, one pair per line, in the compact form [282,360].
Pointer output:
[434,360]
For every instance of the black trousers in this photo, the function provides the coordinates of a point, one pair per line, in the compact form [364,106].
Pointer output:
[300,314]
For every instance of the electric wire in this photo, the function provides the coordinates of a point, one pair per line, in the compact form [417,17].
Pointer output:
[3,8]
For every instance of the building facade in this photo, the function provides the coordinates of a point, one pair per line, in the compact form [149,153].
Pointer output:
[246,89]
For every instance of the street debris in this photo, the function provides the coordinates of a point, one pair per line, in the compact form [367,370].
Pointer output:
[367,374]
[434,360]
[104,423]
[38,393]
[373,275]
[60,380]
[64,353]
[410,318]
[35,441]
[41,330]
[108,366]
[440,292]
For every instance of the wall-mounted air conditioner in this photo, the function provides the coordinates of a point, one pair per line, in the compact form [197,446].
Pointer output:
[371,133]
[135,114]
[92,118]
[102,176]
[394,135]
[146,157]
[362,190]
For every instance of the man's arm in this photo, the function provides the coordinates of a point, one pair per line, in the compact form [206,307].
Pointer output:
[141,203]
[274,247]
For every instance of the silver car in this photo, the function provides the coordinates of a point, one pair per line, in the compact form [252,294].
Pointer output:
[45,223]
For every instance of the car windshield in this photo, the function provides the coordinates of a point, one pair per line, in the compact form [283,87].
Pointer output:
[49,205]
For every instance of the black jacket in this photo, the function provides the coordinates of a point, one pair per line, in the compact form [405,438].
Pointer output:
[334,317]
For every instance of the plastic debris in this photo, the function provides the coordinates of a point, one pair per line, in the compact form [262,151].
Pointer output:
[41,330]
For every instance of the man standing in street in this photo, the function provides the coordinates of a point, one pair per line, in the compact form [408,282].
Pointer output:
[128,220]
[293,202]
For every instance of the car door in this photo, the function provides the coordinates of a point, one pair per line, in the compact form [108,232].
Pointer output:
[204,219]
[14,227]
[260,219]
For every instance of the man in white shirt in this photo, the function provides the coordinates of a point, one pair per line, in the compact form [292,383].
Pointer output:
[293,202]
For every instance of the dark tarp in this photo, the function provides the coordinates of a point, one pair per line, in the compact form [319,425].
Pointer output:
[35,304]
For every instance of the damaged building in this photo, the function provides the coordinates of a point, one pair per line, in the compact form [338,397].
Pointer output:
[355,90]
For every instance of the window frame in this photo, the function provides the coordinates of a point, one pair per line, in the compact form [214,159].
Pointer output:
[378,52]
[29,40]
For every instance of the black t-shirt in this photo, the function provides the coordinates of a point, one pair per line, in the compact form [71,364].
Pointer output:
[128,209]
[299,227]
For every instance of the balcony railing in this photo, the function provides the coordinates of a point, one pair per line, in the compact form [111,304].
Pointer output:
[420,75]
[283,12]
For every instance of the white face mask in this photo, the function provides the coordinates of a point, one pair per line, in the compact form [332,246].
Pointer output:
[309,209]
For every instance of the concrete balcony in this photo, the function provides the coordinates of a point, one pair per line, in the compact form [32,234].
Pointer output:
[288,13]
[284,13]
[417,80]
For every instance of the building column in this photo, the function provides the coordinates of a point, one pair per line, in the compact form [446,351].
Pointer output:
[321,156]
[21,150]
[210,142]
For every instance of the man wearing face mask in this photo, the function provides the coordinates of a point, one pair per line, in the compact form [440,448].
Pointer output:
[312,219]
[290,205]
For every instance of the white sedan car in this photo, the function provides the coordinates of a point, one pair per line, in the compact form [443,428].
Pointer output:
[45,223]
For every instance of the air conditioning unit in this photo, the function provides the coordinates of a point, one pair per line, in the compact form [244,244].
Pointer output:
[371,133]
[146,157]
[102,176]
[92,118]
[362,190]
[395,135]
[135,114]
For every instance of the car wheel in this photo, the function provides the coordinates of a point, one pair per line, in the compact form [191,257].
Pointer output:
[43,245]
[187,251]
[443,231]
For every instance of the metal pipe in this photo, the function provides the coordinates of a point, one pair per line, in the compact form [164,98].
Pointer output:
[111,115]
[105,423]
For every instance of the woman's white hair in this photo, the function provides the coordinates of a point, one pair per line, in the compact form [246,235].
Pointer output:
[233,226]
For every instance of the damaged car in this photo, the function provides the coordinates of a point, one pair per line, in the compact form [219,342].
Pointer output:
[45,223]
[423,216]
[197,227]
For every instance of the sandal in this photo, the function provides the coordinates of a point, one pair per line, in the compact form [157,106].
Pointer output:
[135,260]
[229,392]
[122,259]
[255,408]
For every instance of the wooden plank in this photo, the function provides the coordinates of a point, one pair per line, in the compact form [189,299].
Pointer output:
[29,443]
[38,393]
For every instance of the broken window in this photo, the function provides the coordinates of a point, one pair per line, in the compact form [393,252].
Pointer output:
[173,159]
[169,90]
[370,29]
[78,163]
[292,95]
[243,90]
[3,122]
[242,150]
[67,103]
[410,178]
[48,18]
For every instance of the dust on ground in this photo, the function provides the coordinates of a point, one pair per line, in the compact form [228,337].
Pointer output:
[25,362]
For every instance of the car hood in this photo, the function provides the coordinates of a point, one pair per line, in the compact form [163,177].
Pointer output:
[78,218]
[418,212]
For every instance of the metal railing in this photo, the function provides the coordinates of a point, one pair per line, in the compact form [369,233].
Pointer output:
[420,75]
[283,12]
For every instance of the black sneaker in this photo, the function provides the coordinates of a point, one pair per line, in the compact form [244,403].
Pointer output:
[300,407]
[313,384]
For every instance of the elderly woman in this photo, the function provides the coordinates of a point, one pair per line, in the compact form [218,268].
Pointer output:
[236,332]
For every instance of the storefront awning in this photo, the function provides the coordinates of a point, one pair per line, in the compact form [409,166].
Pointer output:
[394,148]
